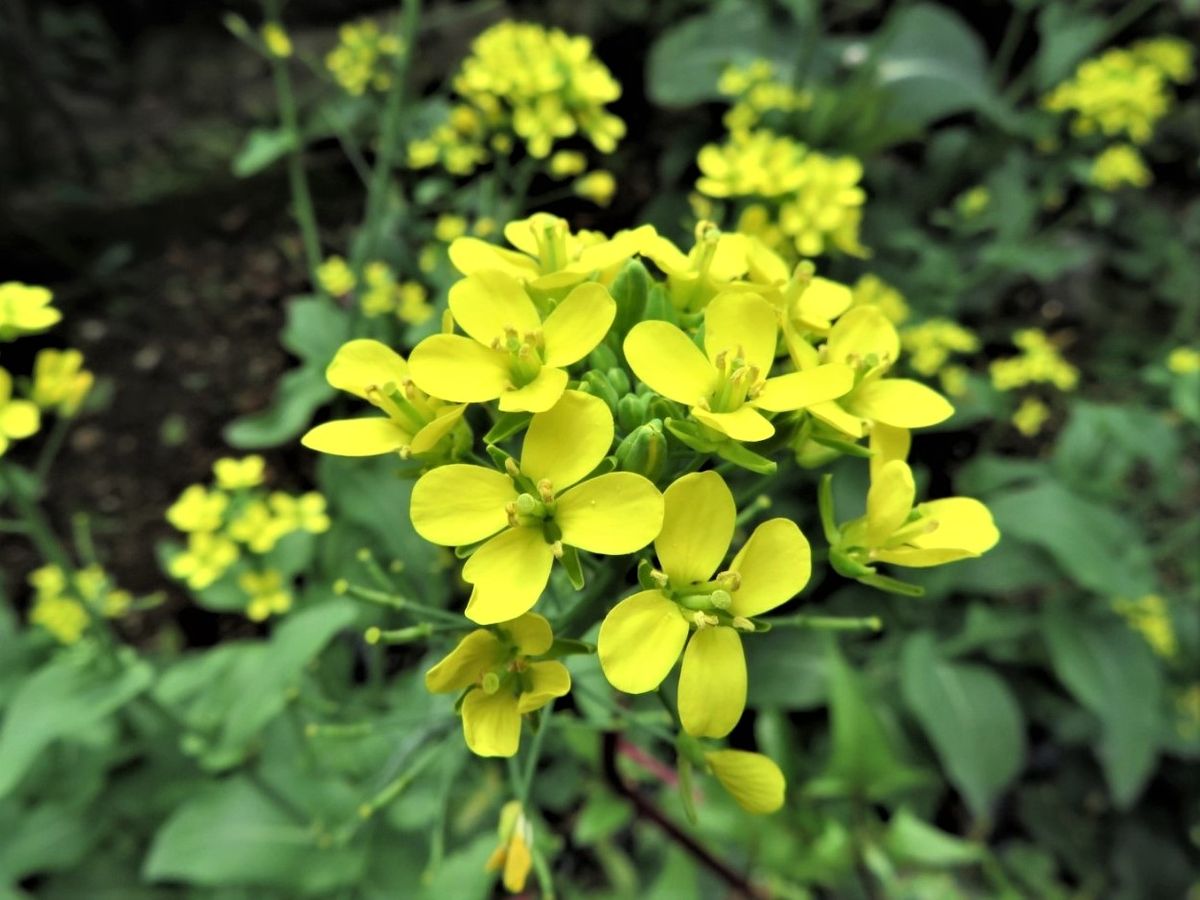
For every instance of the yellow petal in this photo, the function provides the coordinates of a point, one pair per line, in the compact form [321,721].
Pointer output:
[743,424]
[509,573]
[964,529]
[486,303]
[364,363]
[640,639]
[530,633]
[19,419]
[888,443]
[900,402]
[774,564]
[797,390]
[833,415]
[357,437]
[822,302]
[620,512]
[456,368]
[566,442]
[460,504]
[445,421]
[889,501]
[522,233]
[470,255]
[475,654]
[860,333]
[698,521]
[537,396]
[753,780]
[712,682]
[547,680]
[741,325]
[517,862]
[766,266]
[578,324]
[665,358]
[491,723]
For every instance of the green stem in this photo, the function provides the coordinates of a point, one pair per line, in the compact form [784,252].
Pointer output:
[826,623]
[535,752]
[50,449]
[302,205]
[396,601]
[1008,44]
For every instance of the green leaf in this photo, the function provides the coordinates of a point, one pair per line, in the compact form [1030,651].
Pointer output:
[315,329]
[1099,548]
[65,698]
[970,717]
[234,834]
[1110,671]
[787,669]
[931,66]
[602,816]
[48,837]
[864,761]
[1102,444]
[908,839]
[299,394]
[262,148]
[1066,34]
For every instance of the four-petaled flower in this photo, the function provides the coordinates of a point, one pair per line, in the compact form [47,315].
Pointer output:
[495,667]
[529,514]
[643,635]
[727,386]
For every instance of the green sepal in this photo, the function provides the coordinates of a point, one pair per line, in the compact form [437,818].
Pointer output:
[506,426]
[846,566]
[825,506]
[732,451]
[892,585]
[690,434]
[569,647]
[841,446]
[500,457]
[574,569]
[465,551]
[596,383]
[686,791]
[643,575]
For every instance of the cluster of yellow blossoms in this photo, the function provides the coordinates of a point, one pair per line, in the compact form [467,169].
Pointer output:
[64,608]
[610,396]
[805,201]
[238,520]
[1151,618]
[759,96]
[1122,95]
[380,294]
[59,384]
[1039,363]
[529,84]
[363,58]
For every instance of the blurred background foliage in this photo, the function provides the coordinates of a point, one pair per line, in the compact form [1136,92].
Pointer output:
[1030,727]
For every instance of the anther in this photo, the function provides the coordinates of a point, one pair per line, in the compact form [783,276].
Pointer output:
[511,467]
[741,623]
[557,549]
[546,490]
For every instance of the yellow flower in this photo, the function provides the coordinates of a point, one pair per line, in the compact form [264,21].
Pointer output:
[934,341]
[752,779]
[513,855]
[94,584]
[866,341]
[255,527]
[379,297]
[1120,165]
[510,353]
[530,514]
[826,211]
[1039,363]
[62,616]
[413,423]
[1183,360]
[335,277]
[954,380]
[566,163]
[752,164]
[448,227]
[60,382]
[198,509]
[1151,617]
[715,263]
[18,418]
[929,534]
[25,309]
[1170,55]
[277,42]
[598,186]
[303,513]
[643,635]
[412,303]
[363,57]
[1117,93]
[267,594]
[973,202]
[872,290]
[239,474]
[207,558]
[1030,416]
[503,681]
[726,385]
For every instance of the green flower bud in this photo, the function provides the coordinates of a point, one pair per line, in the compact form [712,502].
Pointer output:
[603,358]
[644,451]
[597,384]
[619,380]
[632,411]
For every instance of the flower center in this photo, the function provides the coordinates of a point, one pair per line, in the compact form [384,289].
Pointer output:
[524,354]
[407,407]
[737,382]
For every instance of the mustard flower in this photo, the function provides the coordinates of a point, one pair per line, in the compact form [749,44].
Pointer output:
[1115,94]
[413,423]
[931,343]
[239,474]
[25,309]
[1150,616]
[871,290]
[504,680]
[19,419]
[1040,362]
[363,57]
[1118,166]
[267,593]
[1030,416]
[753,780]
[531,513]
[198,510]
[276,40]
[1171,56]
[598,186]
[60,382]
[726,385]
[208,556]
[510,352]
[303,513]
[566,163]
[513,856]
[698,614]
[335,277]
[1183,360]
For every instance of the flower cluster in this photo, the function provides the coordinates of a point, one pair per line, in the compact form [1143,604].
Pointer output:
[364,57]
[802,199]
[1122,95]
[1040,362]
[623,382]
[528,84]
[760,97]
[64,605]
[380,293]
[232,527]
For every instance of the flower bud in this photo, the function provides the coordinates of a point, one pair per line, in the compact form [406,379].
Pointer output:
[603,358]
[644,451]
[632,411]
[619,380]
[597,384]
